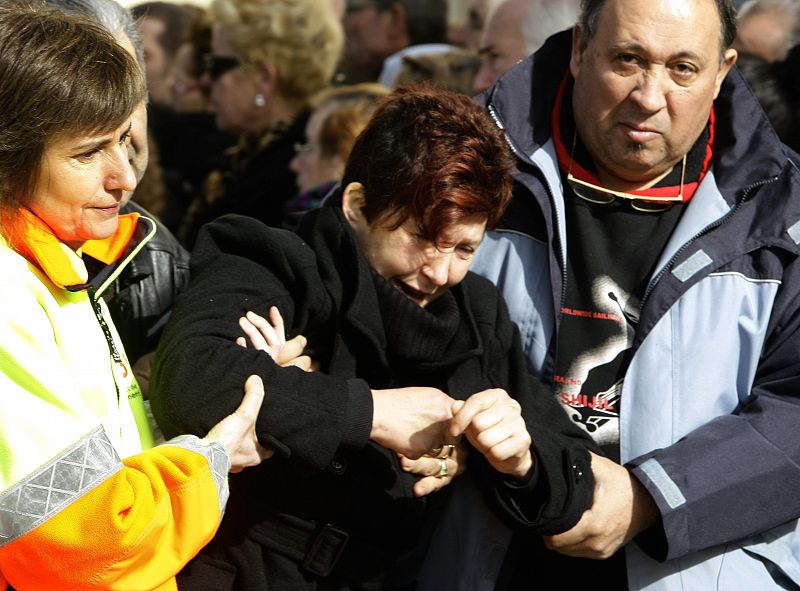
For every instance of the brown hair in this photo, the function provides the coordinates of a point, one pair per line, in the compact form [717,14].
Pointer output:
[433,155]
[62,75]
[347,110]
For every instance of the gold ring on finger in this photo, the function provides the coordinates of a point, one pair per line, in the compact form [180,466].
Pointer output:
[442,468]
[446,451]
[435,451]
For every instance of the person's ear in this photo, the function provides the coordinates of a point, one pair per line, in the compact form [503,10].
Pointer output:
[728,59]
[578,48]
[353,200]
[267,79]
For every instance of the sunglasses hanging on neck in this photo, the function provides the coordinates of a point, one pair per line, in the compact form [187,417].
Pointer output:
[602,196]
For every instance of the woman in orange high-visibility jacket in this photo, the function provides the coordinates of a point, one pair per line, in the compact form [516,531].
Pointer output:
[73,515]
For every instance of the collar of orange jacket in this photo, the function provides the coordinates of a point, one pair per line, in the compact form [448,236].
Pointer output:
[35,240]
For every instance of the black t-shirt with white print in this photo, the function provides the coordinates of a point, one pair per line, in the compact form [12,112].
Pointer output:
[612,252]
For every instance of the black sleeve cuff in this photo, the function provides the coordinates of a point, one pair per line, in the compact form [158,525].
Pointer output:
[358,416]
[550,504]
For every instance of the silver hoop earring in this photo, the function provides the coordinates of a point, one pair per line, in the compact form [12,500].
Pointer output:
[260,101]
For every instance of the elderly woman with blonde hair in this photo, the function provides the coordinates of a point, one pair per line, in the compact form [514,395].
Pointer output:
[268,59]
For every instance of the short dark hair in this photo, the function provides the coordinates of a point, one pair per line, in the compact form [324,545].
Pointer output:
[590,12]
[62,74]
[426,20]
[177,18]
[433,155]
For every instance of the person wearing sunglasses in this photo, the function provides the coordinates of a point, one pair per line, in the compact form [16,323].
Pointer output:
[268,59]
[651,259]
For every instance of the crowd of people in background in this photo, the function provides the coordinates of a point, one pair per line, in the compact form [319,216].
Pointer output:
[296,222]
[206,149]
[224,133]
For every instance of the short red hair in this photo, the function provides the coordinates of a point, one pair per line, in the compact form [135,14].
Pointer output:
[433,155]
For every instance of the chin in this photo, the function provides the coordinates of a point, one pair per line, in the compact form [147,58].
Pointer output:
[103,231]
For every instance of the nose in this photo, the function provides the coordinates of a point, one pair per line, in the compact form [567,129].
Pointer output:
[651,91]
[205,82]
[294,163]
[437,269]
[484,78]
[120,173]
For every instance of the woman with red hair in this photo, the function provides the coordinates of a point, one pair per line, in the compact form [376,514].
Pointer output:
[419,364]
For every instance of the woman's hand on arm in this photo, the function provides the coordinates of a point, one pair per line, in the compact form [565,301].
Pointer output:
[270,336]
[493,424]
[237,431]
[410,420]
[622,509]
[437,470]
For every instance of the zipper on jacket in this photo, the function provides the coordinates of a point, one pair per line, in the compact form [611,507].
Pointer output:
[557,236]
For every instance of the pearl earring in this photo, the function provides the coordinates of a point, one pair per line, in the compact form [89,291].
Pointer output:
[260,101]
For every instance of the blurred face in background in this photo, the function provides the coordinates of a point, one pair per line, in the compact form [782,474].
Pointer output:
[502,45]
[312,167]
[187,94]
[367,31]
[765,34]
[157,64]
[233,89]
[468,35]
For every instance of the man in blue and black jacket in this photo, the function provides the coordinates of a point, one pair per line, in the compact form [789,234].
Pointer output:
[650,259]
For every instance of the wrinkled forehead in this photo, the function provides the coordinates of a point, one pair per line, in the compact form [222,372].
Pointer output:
[666,27]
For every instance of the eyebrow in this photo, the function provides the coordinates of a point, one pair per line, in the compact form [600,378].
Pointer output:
[636,47]
[96,145]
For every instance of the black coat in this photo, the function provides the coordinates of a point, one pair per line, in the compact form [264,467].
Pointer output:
[255,180]
[326,471]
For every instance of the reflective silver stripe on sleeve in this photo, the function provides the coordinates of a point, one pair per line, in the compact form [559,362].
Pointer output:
[794,232]
[656,473]
[692,265]
[61,481]
[217,458]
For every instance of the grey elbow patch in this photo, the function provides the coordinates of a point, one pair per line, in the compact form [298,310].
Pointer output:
[659,477]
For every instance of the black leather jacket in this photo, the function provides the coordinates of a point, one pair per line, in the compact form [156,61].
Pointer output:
[140,301]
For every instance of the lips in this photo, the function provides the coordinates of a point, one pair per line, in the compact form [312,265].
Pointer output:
[412,293]
[109,209]
[639,133]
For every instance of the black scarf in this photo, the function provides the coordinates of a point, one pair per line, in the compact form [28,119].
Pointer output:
[414,333]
